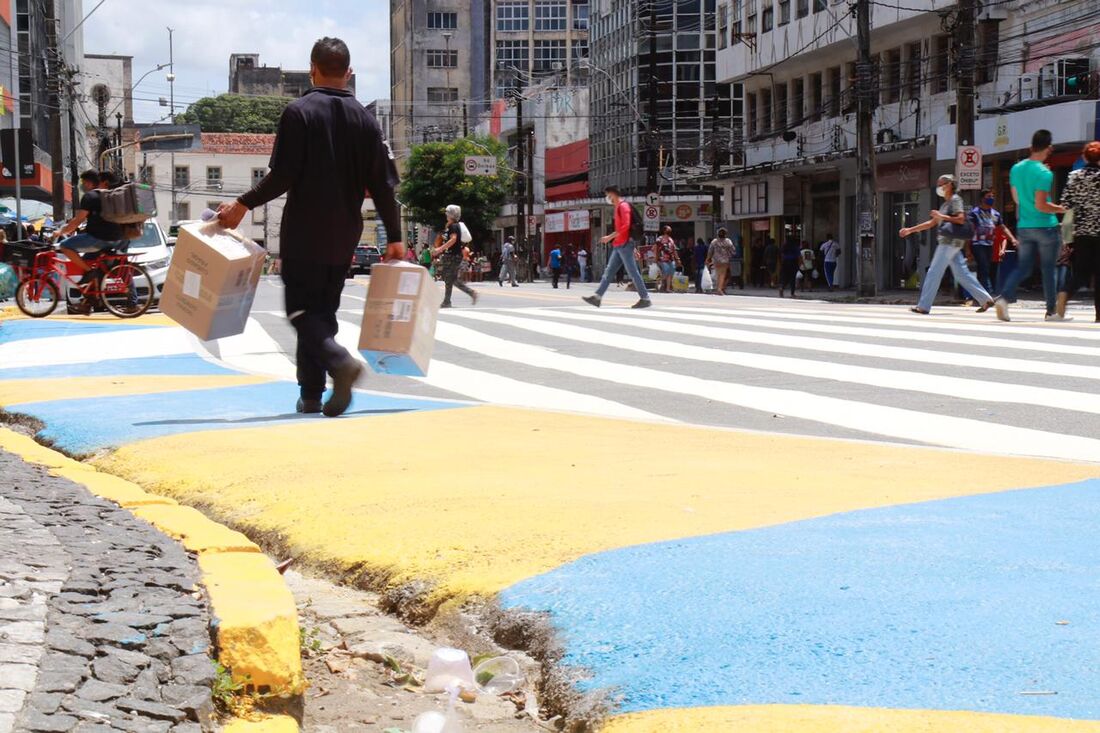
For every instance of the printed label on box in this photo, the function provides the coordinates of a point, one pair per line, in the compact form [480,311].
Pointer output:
[192,283]
[402,311]
[409,284]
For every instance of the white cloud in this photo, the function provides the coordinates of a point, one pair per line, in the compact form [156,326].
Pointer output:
[207,32]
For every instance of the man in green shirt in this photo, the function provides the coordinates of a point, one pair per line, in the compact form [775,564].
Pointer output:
[1037,226]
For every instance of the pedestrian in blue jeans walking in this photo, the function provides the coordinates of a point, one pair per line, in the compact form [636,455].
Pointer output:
[953,234]
[1037,230]
[622,252]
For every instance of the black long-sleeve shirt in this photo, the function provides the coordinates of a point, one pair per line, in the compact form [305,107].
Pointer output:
[329,152]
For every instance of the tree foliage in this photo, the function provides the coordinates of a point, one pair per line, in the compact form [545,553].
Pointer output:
[235,113]
[435,177]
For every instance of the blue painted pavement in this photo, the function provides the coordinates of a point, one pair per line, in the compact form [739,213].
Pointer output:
[167,365]
[20,330]
[88,425]
[948,605]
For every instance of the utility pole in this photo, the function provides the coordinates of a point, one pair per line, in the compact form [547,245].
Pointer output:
[651,132]
[530,141]
[53,85]
[521,199]
[465,121]
[74,175]
[865,155]
[964,103]
[120,166]
[715,167]
[172,112]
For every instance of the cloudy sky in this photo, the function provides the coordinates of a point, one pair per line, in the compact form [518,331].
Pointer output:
[207,31]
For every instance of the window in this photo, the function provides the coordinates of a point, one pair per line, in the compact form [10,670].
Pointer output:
[183,176]
[913,71]
[442,95]
[443,21]
[850,90]
[820,5]
[767,21]
[798,101]
[780,108]
[183,210]
[258,215]
[723,25]
[580,16]
[765,111]
[803,8]
[513,55]
[891,90]
[549,53]
[550,15]
[507,85]
[750,102]
[833,108]
[442,59]
[258,175]
[580,50]
[988,41]
[512,16]
[815,97]
[938,78]
[750,198]
[214,177]
[148,175]
[784,12]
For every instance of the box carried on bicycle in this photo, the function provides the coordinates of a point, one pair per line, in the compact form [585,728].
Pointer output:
[130,203]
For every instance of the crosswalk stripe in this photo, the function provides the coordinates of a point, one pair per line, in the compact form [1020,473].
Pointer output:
[93,347]
[903,353]
[959,387]
[744,318]
[991,327]
[254,351]
[864,417]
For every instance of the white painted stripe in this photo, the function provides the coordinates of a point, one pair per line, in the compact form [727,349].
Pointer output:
[498,390]
[355,297]
[254,352]
[1046,330]
[767,320]
[131,343]
[958,387]
[888,421]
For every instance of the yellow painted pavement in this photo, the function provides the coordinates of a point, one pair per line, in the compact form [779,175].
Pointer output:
[480,498]
[838,719]
[17,391]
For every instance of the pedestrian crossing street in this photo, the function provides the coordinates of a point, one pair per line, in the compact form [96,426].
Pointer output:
[956,379]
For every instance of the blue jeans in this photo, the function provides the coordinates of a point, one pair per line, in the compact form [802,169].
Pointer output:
[983,259]
[622,257]
[1043,243]
[830,273]
[86,244]
[949,255]
[1008,264]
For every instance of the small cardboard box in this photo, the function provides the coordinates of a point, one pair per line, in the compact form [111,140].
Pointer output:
[212,280]
[398,333]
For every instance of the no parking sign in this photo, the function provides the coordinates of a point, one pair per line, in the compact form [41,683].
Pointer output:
[968,168]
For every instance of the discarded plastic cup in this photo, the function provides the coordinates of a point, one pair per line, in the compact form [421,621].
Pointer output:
[449,668]
[498,675]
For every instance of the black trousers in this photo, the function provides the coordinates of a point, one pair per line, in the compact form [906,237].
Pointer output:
[1086,265]
[312,293]
[557,275]
[451,265]
[788,275]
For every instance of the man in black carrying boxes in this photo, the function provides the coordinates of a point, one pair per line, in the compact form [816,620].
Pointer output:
[329,151]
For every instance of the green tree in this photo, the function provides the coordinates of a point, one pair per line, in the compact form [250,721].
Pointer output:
[235,113]
[435,177]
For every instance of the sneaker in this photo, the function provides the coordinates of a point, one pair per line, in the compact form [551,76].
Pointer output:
[444,305]
[473,297]
[917,309]
[1056,317]
[342,382]
[500,283]
[1001,306]
[643,303]
[592,300]
[308,407]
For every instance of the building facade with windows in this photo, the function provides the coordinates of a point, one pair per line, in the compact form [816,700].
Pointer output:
[1036,65]
[248,77]
[535,40]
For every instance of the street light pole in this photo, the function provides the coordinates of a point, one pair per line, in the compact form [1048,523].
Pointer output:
[172,111]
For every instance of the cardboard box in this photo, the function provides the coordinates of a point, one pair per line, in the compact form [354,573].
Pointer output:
[212,280]
[398,333]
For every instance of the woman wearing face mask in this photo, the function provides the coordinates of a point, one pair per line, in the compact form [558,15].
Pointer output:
[1082,196]
[449,252]
[954,232]
[987,222]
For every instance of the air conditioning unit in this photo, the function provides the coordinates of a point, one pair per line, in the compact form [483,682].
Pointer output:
[1027,88]
[1065,77]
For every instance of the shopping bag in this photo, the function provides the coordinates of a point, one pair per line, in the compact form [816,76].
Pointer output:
[1067,227]
[708,281]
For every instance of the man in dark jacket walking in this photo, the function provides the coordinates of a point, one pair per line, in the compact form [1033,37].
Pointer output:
[329,151]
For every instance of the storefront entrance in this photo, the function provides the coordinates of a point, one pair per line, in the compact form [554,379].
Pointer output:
[902,269]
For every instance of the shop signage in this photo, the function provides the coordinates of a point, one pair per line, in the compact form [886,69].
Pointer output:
[968,168]
[555,223]
[577,221]
[684,212]
[481,165]
[761,225]
[652,216]
[906,175]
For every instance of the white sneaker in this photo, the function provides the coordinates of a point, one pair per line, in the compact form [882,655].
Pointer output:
[1001,306]
[1056,317]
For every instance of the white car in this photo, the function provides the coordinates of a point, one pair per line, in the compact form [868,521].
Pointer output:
[151,251]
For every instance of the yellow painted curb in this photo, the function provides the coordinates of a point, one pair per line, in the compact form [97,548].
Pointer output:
[274,724]
[257,621]
[254,614]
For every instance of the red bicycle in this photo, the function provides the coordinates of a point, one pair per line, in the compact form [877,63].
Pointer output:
[123,287]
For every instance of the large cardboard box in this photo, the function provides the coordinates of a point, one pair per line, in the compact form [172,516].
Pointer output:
[398,333]
[212,280]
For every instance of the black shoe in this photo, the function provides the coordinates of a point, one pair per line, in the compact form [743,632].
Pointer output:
[444,305]
[308,407]
[644,303]
[342,382]
[592,300]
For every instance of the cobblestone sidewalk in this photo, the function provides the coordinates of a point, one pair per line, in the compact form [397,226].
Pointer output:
[100,626]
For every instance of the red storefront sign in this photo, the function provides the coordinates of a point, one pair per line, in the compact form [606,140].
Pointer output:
[905,175]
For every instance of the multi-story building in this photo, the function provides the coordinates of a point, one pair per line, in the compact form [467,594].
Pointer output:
[439,69]
[248,77]
[107,82]
[694,113]
[533,40]
[797,62]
